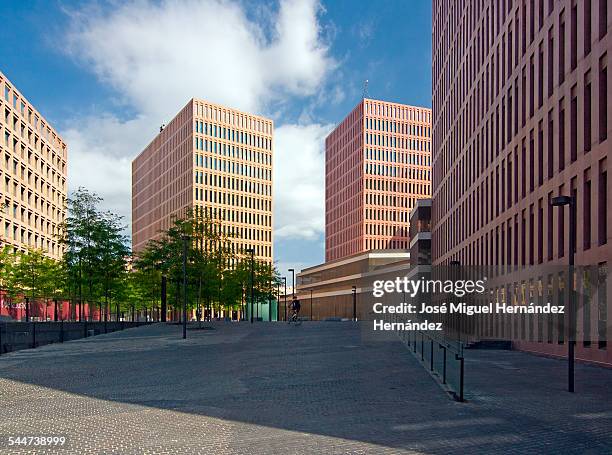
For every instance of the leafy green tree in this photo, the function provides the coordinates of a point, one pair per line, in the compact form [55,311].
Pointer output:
[218,276]
[96,251]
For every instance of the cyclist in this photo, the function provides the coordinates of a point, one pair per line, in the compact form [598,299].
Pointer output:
[295,309]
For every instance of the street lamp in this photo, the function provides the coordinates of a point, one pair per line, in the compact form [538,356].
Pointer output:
[252,251]
[164,297]
[186,240]
[293,281]
[285,281]
[561,201]
[311,304]
[270,292]
[354,289]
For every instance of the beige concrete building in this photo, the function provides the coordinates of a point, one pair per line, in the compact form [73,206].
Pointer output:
[33,175]
[211,157]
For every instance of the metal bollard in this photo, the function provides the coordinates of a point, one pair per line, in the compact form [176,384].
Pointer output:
[443,363]
[422,347]
[431,361]
[461,379]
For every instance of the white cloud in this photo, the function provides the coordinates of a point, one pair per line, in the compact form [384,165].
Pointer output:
[158,55]
[299,173]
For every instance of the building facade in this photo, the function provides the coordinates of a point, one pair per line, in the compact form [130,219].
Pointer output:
[377,164]
[521,107]
[33,174]
[210,157]
[326,290]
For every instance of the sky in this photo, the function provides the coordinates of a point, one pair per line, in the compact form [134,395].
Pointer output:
[107,74]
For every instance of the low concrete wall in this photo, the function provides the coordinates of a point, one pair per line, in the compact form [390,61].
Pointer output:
[24,335]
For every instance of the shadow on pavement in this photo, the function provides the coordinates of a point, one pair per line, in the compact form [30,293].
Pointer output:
[322,382]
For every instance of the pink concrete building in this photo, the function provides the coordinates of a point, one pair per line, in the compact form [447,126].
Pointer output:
[521,103]
[377,164]
[210,157]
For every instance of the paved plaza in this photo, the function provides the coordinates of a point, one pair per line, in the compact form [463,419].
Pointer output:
[270,388]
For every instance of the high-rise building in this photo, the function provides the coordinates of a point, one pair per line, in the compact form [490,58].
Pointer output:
[522,107]
[210,157]
[33,176]
[377,164]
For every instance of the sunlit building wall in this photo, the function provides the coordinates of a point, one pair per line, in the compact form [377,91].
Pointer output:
[377,165]
[33,173]
[213,158]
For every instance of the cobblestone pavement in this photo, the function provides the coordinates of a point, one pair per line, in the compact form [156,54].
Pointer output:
[270,388]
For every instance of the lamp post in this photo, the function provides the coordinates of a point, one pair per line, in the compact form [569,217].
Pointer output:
[278,301]
[561,201]
[354,290]
[186,240]
[270,301]
[285,281]
[311,304]
[164,302]
[252,252]
[292,281]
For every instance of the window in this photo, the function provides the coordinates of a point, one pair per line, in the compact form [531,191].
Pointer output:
[603,97]
[574,38]
[586,211]
[587,27]
[603,18]
[574,126]
[587,112]
[561,228]
[550,144]
[561,136]
[540,154]
[561,49]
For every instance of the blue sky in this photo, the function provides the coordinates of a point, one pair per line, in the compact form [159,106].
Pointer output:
[106,74]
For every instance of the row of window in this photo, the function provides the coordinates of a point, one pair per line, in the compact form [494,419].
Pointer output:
[392,126]
[232,117]
[401,112]
[400,157]
[377,214]
[383,140]
[394,200]
[383,244]
[397,171]
[230,134]
[237,200]
[232,167]
[387,230]
[231,183]
[233,151]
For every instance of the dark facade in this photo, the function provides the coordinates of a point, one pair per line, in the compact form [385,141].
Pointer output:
[521,113]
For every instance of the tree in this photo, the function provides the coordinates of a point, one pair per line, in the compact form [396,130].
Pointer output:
[218,276]
[96,251]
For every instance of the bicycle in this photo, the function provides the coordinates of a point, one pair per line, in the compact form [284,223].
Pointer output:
[294,317]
